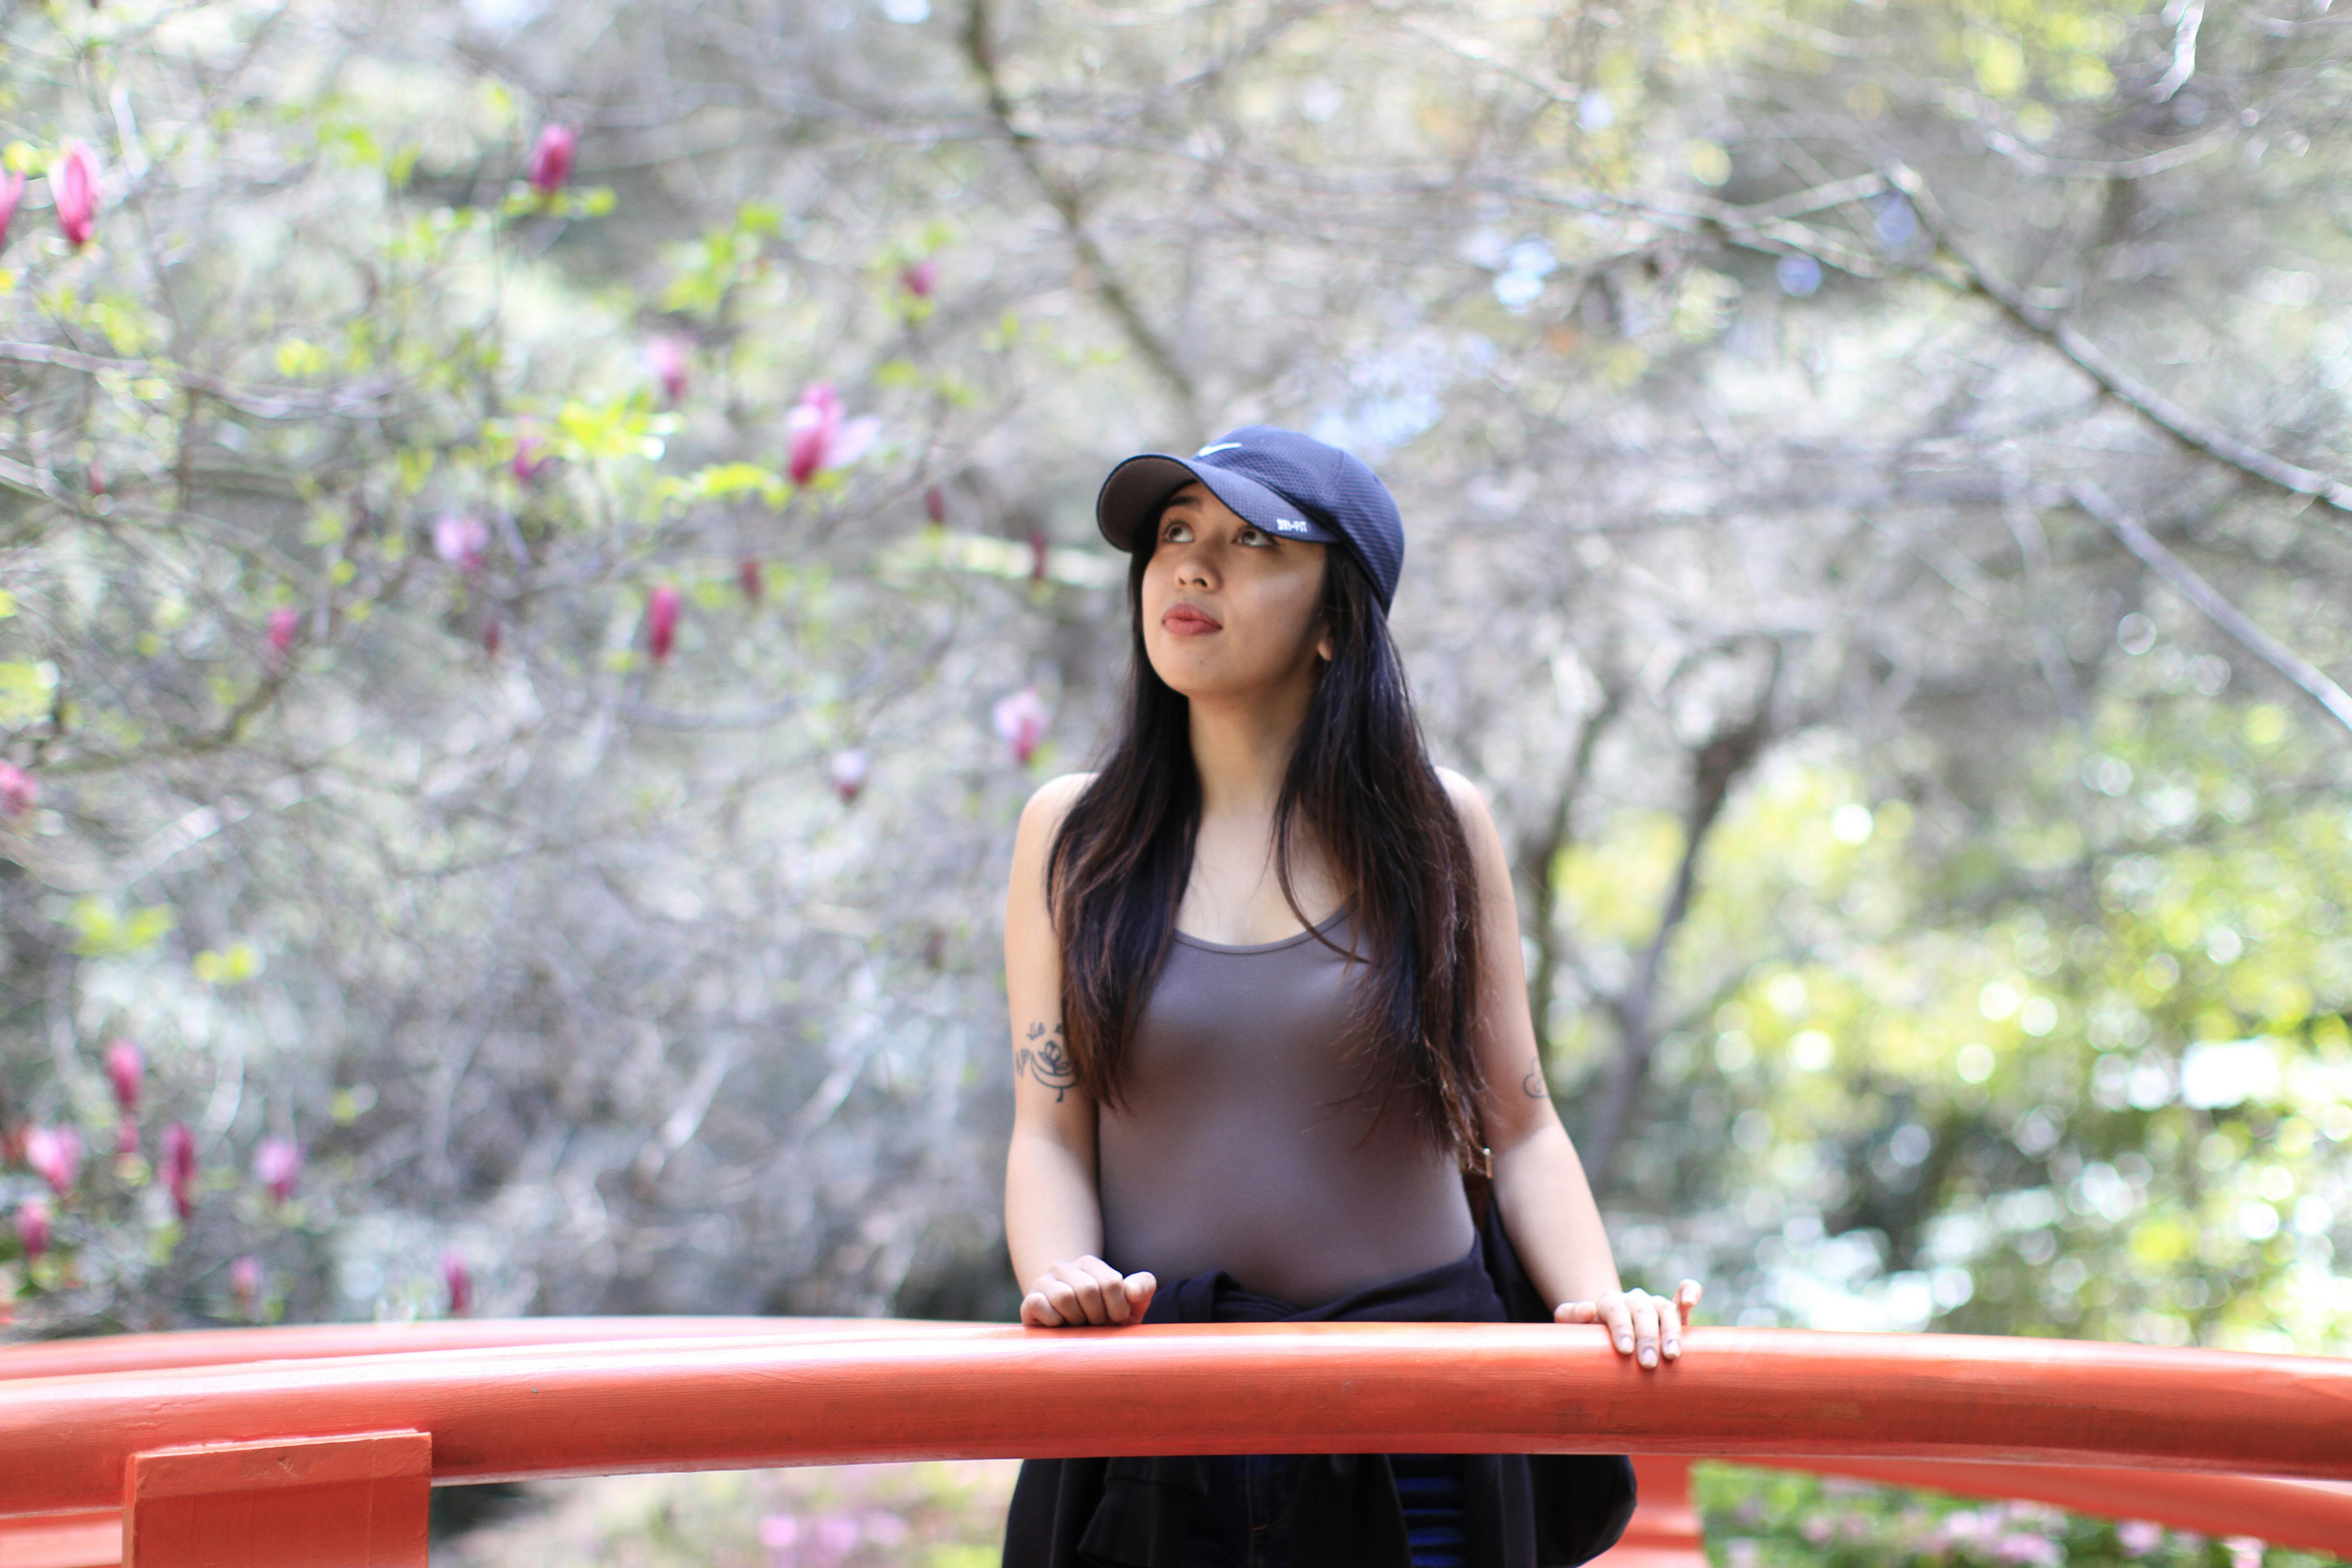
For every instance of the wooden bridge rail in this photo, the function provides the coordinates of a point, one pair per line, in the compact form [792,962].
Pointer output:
[353,1423]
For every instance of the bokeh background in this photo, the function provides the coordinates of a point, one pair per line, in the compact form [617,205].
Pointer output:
[545,544]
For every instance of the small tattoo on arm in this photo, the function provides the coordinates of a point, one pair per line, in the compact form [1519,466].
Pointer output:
[1533,1085]
[1048,1060]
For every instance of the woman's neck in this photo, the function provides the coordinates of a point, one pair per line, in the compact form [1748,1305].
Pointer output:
[1241,748]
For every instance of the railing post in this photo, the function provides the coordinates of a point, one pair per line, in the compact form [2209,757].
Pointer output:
[1664,1530]
[303,1502]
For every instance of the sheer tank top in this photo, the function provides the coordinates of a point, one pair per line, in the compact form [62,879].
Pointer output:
[1241,1144]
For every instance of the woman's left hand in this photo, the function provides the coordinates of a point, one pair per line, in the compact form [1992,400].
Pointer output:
[1643,1326]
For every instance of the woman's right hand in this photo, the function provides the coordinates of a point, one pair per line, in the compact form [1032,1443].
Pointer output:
[1086,1293]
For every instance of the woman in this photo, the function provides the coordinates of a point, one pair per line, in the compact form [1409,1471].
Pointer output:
[1272,1036]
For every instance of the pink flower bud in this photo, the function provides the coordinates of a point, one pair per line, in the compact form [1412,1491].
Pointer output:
[661,621]
[935,505]
[32,1226]
[126,1138]
[491,637]
[750,579]
[846,769]
[244,1282]
[73,186]
[179,1167]
[126,1069]
[54,1155]
[921,278]
[531,458]
[284,622]
[463,542]
[12,189]
[277,1162]
[95,477]
[818,439]
[1037,545]
[461,1281]
[1020,722]
[667,358]
[551,161]
[19,790]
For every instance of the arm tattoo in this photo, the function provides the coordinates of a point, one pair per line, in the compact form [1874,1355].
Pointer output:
[1533,1085]
[1048,1060]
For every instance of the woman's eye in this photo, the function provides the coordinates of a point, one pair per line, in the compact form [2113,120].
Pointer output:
[1253,535]
[1176,533]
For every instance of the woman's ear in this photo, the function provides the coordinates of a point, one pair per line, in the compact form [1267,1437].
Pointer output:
[1324,648]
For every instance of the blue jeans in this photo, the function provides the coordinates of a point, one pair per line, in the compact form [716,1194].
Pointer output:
[1244,1522]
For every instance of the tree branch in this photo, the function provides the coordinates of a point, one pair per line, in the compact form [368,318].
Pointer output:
[2217,609]
[980,49]
[2190,429]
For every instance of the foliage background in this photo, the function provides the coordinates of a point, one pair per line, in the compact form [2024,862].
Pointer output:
[1875,478]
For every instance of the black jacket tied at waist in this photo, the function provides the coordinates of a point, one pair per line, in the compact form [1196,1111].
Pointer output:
[1543,1510]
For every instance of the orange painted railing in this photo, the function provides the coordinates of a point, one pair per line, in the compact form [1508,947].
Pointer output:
[165,1426]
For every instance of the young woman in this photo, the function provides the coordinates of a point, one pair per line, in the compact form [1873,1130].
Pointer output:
[1271,1032]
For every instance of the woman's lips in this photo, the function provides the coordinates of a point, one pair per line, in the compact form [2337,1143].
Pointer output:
[1185,621]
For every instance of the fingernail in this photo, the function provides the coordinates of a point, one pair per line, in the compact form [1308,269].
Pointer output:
[1649,1358]
[1624,1341]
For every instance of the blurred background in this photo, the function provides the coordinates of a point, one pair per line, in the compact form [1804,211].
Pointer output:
[544,547]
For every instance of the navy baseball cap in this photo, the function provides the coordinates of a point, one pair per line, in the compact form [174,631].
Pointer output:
[1290,485]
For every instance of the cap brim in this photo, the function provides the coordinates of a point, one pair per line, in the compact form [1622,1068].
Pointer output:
[1127,506]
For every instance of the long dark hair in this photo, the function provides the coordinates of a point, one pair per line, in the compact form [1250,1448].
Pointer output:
[1361,782]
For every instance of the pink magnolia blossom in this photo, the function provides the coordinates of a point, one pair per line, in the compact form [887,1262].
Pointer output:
[665,357]
[73,186]
[244,1282]
[847,770]
[94,476]
[276,1163]
[921,278]
[18,790]
[12,190]
[2138,1537]
[32,1226]
[819,439]
[179,1167]
[461,540]
[661,621]
[126,1138]
[2245,1551]
[54,1155]
[284,622]
[461,1281]
[126,1069]
[751,579]
[2026,1548]
[935,505]
[531,458]
[1020,722]
[551,161]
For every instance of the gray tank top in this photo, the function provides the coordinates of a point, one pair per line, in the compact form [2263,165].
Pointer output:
[1238,1147]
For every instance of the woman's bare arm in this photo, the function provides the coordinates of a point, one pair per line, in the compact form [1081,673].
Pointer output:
[1052,1216]
[1548,1205]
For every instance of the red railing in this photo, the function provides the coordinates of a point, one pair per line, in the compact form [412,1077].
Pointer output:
[171,1429]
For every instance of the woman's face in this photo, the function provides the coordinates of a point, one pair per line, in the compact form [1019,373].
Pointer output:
[1229,608]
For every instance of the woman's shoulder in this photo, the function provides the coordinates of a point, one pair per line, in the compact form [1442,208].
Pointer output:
[1466,795]
[1470,805]
[1050,803]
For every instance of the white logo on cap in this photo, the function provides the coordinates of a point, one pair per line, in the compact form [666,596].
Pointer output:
[1218,446]
[1291,524]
